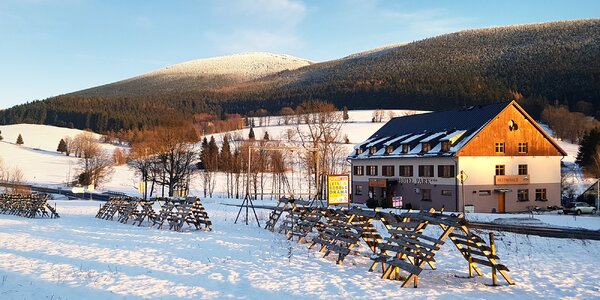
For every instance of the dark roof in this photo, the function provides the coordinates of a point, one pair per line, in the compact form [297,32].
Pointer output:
[469,118]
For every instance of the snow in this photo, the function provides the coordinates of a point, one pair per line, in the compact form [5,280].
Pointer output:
[574,175]
[79,256]
[247,65]
[37,157]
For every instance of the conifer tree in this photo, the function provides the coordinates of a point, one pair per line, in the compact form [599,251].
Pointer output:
[225,154]
[62,146]
[266,136]
[20,140]
[345,116]
[1,138]
[204,152]
[213,155]
[588,148]
[251,134]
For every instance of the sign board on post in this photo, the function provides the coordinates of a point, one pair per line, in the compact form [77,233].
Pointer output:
[338,189]
[142,187]
[78,190]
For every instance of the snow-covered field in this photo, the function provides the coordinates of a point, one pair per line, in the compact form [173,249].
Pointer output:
[78,256]
[81,257]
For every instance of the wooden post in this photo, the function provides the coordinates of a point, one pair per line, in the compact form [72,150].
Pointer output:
[493,247]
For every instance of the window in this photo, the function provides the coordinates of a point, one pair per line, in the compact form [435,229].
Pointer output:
[405,148]
[499,170]
[406,171]
[359,170]
[358,190]
[523,148]
[540,195]
[446,171]
[426,171]
[387,170]
[522,195]
[372,150]
[372,170]
[445,146]
[485,193]
[426,147]
[426,194]
[389,149]
[522,169]
[499,147]
[360,151]
[446,192]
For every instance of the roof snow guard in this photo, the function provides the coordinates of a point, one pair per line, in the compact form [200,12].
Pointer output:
[442,133]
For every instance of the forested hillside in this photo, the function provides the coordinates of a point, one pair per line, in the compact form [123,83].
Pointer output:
[556,62]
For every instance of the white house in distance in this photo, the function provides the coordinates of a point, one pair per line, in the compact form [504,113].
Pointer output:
[508,163]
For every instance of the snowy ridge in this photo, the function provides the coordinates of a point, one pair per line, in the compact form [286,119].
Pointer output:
[376,51]
[247,65]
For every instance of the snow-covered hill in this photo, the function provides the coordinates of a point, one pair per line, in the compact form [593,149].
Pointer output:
[245,66]
[37,157]
[41,164]
[208,73]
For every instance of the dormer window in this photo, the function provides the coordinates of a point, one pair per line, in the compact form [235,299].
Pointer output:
[360,151]
[426,147]
[445,146]
[389,149]
[405,148]
[372,150]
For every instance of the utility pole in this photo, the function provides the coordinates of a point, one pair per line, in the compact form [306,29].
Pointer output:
[598,195]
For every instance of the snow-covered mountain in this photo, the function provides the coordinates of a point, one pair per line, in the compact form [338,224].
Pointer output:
[201,74]
[246,66]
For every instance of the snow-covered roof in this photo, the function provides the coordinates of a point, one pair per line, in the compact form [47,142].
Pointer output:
[457,126]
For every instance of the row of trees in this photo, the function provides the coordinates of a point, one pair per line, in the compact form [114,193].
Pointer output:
[11,175]
[567,125]
[467,68]
[168,157]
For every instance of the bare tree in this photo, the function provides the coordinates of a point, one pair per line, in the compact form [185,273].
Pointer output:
[568,125]
[322,131]
[143,160]
[378,115]
[594,168]
[96,163]
[391,114]
[176,156]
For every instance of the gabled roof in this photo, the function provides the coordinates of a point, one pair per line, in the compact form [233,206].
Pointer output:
[473,117]
[456,126]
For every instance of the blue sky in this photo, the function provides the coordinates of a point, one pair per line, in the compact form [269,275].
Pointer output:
[52,47]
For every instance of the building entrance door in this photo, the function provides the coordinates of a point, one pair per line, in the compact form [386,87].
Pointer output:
[501,202]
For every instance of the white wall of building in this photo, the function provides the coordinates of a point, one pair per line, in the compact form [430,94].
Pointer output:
[482,169]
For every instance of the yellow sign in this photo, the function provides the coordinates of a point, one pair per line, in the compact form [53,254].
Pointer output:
[338,189]
[142,187]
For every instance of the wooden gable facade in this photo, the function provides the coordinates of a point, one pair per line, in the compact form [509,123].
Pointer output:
[511,127]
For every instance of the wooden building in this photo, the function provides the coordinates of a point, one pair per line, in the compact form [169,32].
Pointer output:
[506,161]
